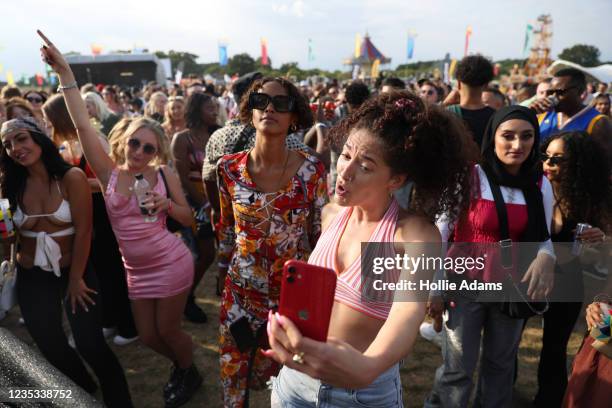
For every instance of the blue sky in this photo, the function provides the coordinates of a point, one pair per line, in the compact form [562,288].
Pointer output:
[198,26]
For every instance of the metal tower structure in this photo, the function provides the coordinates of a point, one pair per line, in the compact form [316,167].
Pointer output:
[539,57]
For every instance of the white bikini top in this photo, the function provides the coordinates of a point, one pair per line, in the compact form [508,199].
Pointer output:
[48,253]
[62,214]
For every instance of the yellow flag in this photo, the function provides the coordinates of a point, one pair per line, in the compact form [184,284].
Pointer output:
[451,70]
[375,66]
[9,78]
[357,46]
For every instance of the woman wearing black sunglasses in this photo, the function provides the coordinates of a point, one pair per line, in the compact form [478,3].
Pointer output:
[271,199]
[36,99]
[159,266]
[580,176]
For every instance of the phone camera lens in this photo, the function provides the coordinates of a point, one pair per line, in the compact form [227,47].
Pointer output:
[290,279]
[291,269]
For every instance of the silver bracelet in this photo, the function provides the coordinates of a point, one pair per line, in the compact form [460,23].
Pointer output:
[62,88]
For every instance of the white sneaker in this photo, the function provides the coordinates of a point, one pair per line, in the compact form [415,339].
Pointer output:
[109,332]
[123,341]
[430,334]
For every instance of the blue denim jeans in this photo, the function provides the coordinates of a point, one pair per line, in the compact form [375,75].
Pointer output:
[293,389]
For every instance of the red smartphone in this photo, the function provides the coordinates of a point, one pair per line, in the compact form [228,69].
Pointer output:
[307,297]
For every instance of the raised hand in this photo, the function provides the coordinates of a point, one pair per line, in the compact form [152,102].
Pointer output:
[52,56]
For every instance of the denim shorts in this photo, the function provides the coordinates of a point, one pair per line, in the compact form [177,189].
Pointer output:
[293,389]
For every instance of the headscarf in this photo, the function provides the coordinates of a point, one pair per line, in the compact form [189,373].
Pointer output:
[27,123]
[528,176]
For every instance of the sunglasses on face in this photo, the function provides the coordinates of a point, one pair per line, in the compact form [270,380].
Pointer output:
[147,148]
[34,99]
[559,92]
[281,103]
[552,160]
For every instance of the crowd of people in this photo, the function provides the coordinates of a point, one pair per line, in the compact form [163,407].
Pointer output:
[266,170]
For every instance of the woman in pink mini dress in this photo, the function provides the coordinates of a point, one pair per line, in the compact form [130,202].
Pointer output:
[159,266]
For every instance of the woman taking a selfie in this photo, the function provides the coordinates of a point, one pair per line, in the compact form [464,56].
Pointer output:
[392,139]
[271,199]
[159,266]
[51,201]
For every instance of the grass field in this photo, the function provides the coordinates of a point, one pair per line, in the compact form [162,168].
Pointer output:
[147,371]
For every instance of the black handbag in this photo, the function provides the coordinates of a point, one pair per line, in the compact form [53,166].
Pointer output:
[515,303]
[171,224]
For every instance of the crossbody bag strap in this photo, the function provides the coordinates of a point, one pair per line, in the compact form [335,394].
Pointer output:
[502,215]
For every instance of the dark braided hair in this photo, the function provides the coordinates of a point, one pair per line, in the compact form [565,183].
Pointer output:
[425,143]
[585,189]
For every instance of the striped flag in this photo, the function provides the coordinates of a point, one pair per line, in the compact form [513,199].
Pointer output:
[468,34]
[96,49]
[223,55]
[310,52]
[264,51]
[527,38]
[357,46]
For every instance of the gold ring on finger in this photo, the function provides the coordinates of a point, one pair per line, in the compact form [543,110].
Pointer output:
[298,357]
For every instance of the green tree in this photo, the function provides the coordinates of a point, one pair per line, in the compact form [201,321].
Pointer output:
[585,55]
[289,66]
[190,66]
[241,64]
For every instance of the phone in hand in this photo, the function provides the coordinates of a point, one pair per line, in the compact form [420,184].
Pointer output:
[307,297]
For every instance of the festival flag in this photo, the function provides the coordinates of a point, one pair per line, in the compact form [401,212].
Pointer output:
[178,75]
[375,67]
[223,55]
[451,68]
[96,49]
[357,46]
[446,73]
[310,52]
[264,51]
[410,48]
[468,34]
[355,71]
[527,38]
[39,79]
[9,78]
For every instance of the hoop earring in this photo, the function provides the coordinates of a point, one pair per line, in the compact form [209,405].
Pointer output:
[293,128]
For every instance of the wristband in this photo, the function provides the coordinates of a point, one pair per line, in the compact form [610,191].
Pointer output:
[62,88]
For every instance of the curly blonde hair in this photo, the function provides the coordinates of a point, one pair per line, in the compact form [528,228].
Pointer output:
[126,127]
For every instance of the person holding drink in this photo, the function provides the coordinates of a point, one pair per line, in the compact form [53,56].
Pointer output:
[51,203]
[579,173]
[159,266]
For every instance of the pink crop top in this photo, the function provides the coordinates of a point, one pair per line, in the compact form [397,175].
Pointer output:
[349,285]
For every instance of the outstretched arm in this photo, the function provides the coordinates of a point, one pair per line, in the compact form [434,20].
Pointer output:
[99,161]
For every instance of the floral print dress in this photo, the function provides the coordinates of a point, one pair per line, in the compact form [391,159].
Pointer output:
[258,232]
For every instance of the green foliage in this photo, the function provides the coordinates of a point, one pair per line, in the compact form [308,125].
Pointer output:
[585,55]
[190,66]
[240,64]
